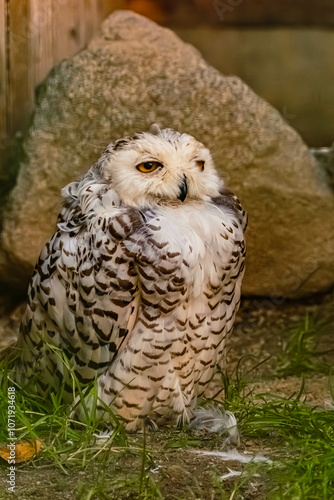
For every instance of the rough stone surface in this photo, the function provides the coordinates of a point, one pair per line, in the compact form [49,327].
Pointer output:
[135,73]
[292,69]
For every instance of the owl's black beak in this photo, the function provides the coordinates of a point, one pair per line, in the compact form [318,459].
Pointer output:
[183,189]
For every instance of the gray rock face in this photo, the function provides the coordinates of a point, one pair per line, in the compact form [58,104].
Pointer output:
[276,62]
[136,73]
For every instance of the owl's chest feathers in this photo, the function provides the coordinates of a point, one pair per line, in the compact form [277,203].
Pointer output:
[195,243]
[184,288]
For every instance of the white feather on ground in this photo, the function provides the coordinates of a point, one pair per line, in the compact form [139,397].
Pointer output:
[213,419]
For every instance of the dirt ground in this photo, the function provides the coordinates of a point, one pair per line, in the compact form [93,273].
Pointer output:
[263,329]
[181,474]
[178,462]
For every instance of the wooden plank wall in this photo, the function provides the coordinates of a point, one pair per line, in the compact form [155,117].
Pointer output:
[3,80]
[34,36]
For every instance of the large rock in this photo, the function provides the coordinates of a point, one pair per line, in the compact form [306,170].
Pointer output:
[276,62]
[135,73]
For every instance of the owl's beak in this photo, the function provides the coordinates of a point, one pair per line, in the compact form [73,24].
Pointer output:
[183,189]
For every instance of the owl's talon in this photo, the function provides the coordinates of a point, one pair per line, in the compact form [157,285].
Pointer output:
[153,427]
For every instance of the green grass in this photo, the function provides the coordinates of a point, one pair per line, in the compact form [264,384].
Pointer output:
[301,352]
[298,439]
[301,438]
[73,446]
[305,438]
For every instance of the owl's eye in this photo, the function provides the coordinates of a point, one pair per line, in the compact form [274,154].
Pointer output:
[148,166]
[200,164]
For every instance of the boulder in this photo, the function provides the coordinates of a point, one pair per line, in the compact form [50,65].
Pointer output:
[276,62]
[135,73]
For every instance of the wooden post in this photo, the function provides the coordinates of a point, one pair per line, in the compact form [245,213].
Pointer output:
[3,75]
[40,39]
[20,84]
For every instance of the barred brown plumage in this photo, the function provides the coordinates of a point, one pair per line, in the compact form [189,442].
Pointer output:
[140,284]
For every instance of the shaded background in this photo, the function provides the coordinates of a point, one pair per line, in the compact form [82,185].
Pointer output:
[283,50]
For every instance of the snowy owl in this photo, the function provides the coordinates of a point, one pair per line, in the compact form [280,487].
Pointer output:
[139,287]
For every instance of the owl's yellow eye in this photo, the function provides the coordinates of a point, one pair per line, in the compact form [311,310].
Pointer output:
[148,166]
[200,164]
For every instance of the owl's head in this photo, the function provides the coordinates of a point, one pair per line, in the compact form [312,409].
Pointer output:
[161,167]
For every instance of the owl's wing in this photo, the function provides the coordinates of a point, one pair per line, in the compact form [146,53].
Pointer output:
[83,298]
[229,200]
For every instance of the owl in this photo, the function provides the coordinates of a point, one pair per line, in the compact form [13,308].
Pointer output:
[137,290]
